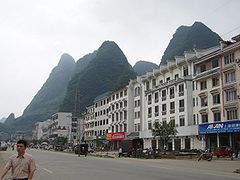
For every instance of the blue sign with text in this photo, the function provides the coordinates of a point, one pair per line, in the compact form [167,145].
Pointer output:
[219,127]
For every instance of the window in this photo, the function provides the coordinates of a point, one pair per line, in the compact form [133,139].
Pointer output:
[176,76]
[156,97]
[204,118]
[181,121]
[164,109]
[149,112]
[231,95]
[217,116]
[172,107]
[232,114]
[149,99]
[181,89]
[194,119]
[137,115]
[164,121]
[215,63]
[137,91]
[168,79]
[164,93]
[202,68]
[121,94]
[147,85]
[230,77]
[156,110]
[161,81]
[125,103]
[149,125]
[193,102]
[185,71]
[154,82]
[171,92]
[125,115]
[203,85]
[204,102]
[172,121]
[216,99]
[125,92]
[215,81]
[181,105]
[229,59]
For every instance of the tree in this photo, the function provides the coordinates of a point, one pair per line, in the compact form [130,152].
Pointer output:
[164,131]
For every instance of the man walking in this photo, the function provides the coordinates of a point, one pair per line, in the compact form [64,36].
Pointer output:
[22,164]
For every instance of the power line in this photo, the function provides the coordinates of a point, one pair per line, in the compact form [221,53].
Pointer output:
[224,34]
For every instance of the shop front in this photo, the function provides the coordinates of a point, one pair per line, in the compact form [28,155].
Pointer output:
[221,134]
[115,139]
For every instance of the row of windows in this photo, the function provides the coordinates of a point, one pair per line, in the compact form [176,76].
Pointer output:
[119,128]
[231,95]
[172,122]
[118,105]
[101,122]
[164,93]
[100,132]
[229,77]
[119,116]
[231,115]
[111,98]
[118,95]
[164,108]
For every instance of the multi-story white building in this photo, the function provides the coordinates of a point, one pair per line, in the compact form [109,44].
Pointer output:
[61,126]
[117,116]
[42,129]
[89,118]
[101,122]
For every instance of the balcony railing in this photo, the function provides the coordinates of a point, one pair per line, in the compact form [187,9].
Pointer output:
[172,111]
[181,109]
[164,112]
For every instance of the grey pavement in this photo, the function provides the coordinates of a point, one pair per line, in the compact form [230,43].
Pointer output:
[62,166]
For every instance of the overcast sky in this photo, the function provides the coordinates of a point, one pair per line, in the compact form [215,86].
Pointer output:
[34,35]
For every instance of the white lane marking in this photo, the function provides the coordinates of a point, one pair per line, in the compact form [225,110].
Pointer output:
[47,170]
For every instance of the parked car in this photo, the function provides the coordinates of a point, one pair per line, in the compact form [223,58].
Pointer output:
[223,151]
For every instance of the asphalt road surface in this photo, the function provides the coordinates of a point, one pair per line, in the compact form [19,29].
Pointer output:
[64,166]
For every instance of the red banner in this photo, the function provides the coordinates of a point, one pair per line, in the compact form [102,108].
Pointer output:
[116,136]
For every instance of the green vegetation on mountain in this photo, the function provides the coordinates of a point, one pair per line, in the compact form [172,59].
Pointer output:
[107,71]
[186,38]
[49,97]
[10,119]
[142,67]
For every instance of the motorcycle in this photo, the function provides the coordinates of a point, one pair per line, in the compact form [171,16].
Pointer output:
[205,155]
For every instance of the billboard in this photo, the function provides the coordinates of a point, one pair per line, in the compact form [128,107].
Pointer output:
[115,136]
[219,127]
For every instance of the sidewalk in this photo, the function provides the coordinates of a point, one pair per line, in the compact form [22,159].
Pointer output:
[4,155]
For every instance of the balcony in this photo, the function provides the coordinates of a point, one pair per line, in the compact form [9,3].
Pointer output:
[149,115]
[149,102]
[156,114]
[164,112]
[172,111]
[156,100]
[207,73]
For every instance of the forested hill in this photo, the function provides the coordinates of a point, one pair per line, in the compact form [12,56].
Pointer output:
[188,37]
[49,97]
[142,67]
[107,71]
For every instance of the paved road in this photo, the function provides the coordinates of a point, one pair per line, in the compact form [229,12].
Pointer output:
[62,166]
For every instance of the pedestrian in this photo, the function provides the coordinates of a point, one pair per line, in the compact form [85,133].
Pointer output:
[22,164]
[120,152]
